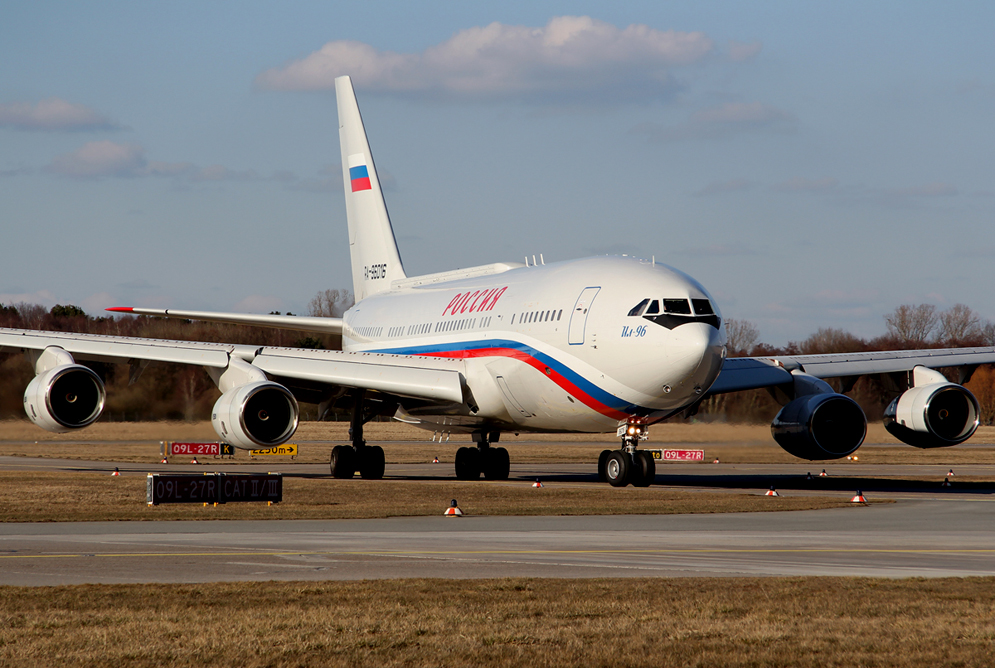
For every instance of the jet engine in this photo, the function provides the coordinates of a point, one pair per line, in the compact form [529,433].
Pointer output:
[933,416]
[64,398]
[820,426]
[256,415]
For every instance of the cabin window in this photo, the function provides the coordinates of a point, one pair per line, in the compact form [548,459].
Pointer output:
[560,314]
[637,310]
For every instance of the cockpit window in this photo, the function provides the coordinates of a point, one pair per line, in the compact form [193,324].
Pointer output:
[654,308]
[678,306]
[702,307]
[637,310]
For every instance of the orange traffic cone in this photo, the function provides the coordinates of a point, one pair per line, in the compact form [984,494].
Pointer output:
[116,471]
[859,498]
[453,510]
[194,461]
[772,492]
[436,460]
[823,474]
[946,482]
[537,483]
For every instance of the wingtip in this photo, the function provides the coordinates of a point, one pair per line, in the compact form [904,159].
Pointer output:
[121,309]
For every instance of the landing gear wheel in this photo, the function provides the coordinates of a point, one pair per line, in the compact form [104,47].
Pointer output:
[497,463]
[644,470]
[371,462]
[617,468]
[602,462]
[343,461]
[467,464]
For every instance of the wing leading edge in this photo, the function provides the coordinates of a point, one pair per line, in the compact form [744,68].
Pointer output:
[747,373]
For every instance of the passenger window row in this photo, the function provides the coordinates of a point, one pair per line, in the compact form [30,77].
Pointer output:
[537,316]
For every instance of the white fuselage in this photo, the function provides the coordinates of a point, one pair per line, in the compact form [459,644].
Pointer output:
[552,347]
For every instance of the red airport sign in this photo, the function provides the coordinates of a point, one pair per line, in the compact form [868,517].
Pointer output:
[674,455]
[198,449]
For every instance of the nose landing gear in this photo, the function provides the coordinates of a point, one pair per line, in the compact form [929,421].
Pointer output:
[626,465]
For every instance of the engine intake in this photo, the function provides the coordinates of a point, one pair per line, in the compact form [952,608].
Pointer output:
[933,416]
[65,398]
[256,415]
[820,426]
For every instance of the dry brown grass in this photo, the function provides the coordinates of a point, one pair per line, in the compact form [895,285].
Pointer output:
[621,622]
[403,444]
[66,497]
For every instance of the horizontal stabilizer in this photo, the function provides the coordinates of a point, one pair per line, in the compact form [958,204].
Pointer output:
[298,323]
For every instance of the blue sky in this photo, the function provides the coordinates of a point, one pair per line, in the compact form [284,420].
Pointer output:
[813,165]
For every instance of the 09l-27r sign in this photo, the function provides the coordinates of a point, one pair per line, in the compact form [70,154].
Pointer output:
[213,488]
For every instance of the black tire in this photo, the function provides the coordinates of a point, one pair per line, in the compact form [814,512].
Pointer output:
[343,461]
[497,464]
[617,468]
[602,461]
[371,462]
[468,464]
[643,470]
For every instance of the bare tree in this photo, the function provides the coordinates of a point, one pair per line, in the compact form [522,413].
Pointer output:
[959,323]
[912,324]
[830,340]
[988,333]
[742,336]
[330,303]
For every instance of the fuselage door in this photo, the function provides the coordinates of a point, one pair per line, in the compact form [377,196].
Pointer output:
[578,317]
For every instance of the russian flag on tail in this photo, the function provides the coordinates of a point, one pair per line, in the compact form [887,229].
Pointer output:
[359,175]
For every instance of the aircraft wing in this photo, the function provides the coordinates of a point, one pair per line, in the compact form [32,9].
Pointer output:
[295,322]
[430,378]
[747,373]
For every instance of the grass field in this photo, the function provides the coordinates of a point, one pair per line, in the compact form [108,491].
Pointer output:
[58,497]
[515,622]
[403,444]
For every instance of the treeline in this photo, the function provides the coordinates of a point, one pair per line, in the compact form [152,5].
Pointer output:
[164,391]
[908,327]
[180,392]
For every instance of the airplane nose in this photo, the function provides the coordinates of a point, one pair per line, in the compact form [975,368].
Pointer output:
[697,351]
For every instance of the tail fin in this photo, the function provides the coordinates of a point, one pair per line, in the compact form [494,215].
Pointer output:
[372,248]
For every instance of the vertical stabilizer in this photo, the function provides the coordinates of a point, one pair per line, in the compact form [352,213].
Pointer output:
[372,248]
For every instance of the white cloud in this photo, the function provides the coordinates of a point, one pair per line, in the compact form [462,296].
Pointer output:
[738,51]
[569,56]
[800,184]
[52,114]
[101,158]
[725,120]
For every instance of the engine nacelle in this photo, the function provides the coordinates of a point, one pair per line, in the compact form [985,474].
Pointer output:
[256,415]
[64,398]
[933,416]
[820,426]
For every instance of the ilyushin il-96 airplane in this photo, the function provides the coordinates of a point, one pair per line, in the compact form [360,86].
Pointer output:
[593,345]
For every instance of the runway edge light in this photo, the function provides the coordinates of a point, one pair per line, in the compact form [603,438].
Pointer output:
[859,498]
[772,492]
[453,510]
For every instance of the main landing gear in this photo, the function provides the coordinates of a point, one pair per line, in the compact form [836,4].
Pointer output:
[494,463]
[368,460]
[627,465]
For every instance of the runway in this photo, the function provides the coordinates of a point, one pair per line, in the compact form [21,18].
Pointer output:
[929,538]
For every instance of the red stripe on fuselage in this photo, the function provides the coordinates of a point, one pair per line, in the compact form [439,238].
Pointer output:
[553,375]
